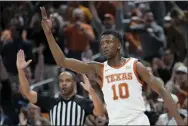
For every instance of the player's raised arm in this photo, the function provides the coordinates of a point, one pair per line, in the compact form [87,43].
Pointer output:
[60,58]
[157,87]
[21,65]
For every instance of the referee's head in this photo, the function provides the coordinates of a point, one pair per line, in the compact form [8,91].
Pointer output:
[67,84]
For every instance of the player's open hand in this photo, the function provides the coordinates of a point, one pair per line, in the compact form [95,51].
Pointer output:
[20,62]
[46,21]
[86,84]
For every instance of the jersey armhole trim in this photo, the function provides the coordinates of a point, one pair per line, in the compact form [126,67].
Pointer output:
[102,77]
[135,72]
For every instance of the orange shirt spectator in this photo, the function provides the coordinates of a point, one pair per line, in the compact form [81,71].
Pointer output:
[134,42]
[87,13]
[85,10]
[76,38]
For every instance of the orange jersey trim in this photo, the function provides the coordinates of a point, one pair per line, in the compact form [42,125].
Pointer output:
[117,67]
[102,77]
[135,72]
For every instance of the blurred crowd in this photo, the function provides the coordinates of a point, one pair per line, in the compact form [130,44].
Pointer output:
[154,32]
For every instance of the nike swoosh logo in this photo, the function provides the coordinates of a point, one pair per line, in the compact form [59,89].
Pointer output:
[107,70]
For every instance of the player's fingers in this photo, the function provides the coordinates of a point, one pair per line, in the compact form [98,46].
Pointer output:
[43,24]
[44,13]
[41,12]
[85,78]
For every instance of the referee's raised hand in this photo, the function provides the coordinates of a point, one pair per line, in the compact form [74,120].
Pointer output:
[86,84]
[20,62]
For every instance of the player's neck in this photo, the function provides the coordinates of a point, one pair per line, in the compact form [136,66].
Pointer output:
[116,61]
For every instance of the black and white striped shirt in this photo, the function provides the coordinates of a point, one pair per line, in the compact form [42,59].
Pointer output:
[66,112]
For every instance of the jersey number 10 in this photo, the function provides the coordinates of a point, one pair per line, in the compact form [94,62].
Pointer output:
[123,91]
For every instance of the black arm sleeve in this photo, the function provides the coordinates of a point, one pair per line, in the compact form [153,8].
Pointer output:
[45,102]
[89,107]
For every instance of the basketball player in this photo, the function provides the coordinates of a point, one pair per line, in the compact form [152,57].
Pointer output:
[122,78]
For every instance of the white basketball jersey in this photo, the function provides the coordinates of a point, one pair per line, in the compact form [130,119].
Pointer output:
[122,93]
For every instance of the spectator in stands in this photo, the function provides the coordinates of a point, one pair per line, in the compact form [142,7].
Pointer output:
[63,12]
[176,34]
[10,48]
[78,35]
[3,117]
[76,4]
[171,83]
[87,54]
[23,117]
[6,36]
[151,36]
[185,61]
[181,87]
[134,47]
[10,101]
[11,96]
[169,61]
[166,118]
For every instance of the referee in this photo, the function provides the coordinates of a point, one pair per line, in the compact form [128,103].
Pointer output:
[69,108]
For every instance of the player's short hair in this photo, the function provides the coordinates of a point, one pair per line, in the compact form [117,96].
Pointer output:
[114,33]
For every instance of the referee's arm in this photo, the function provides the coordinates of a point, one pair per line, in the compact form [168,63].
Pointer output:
[44,102]
[29,94]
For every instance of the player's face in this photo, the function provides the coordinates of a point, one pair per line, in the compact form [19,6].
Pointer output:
[66,83]
[109,46]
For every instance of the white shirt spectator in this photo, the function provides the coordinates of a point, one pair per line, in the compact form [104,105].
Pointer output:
[164,118]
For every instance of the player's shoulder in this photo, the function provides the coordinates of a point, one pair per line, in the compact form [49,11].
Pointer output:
[136,61]
[95,62]
[132,58]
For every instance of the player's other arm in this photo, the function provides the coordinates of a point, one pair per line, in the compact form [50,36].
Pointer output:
[60,58]
[98,105]
[157,87]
